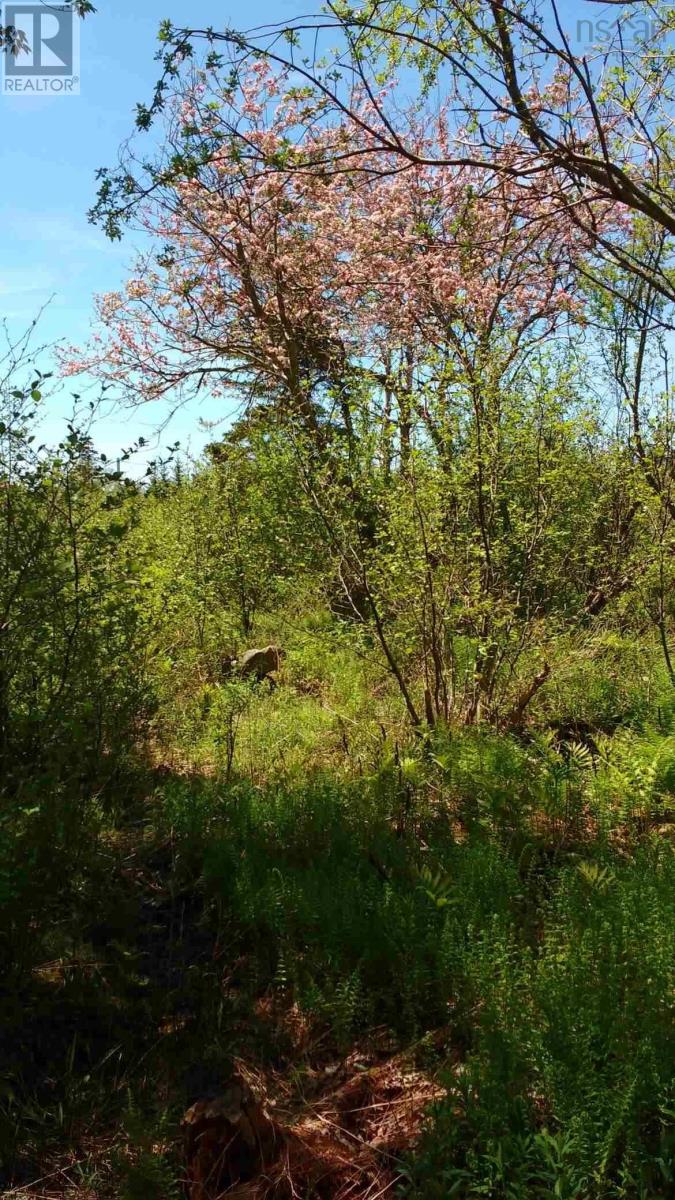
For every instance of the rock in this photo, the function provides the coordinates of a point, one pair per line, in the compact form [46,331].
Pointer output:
[260,662]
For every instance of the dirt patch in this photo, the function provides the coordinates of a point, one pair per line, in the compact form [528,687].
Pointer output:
[341,1135]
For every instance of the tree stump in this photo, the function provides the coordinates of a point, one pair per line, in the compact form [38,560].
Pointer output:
[228,1140]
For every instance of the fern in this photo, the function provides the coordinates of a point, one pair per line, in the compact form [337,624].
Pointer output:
[436,885]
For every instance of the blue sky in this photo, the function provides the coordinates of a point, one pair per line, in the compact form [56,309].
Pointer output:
[51,147]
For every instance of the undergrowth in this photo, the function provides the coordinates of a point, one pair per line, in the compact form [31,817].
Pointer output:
[504,907]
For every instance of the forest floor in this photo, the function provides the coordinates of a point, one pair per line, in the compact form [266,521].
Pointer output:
[115,1029]
[445,976]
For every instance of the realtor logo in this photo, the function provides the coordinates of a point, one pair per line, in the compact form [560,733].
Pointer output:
[45,56]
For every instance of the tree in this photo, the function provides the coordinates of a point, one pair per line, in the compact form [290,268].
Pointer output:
[392,324]
[70,618]
[593,119]
[281,283]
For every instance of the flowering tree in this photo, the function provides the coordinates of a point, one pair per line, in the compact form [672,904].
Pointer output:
[586,99]
[272,280]
[386,319]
